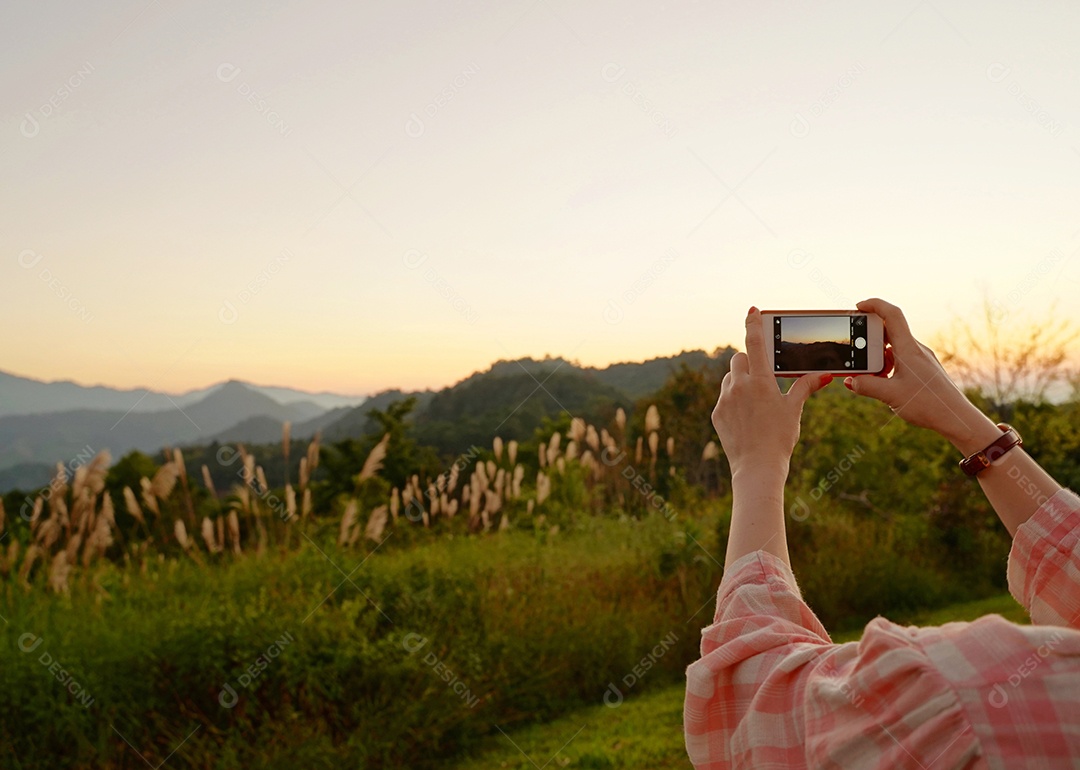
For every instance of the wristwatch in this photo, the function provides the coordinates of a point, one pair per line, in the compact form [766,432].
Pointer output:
[980,461]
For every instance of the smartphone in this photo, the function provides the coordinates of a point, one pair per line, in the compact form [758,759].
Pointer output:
[833,341]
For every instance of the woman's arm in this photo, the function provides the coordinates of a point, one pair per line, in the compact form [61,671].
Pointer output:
[759,427]
[920,392]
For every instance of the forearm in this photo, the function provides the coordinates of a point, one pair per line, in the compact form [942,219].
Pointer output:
[757,512]
[1014,484]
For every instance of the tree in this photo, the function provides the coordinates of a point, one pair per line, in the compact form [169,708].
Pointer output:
[404,456]
[1023,360]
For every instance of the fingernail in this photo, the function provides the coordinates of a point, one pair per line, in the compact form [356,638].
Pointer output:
[826,379]
[751,310]
[847,384]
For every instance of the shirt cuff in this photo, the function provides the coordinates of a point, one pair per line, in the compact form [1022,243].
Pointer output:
[1042,550]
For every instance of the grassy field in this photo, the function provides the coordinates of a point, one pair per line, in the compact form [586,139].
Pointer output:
[646,731]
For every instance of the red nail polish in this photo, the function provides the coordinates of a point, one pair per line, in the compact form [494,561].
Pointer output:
[752,309]
[847,384]
[826,379]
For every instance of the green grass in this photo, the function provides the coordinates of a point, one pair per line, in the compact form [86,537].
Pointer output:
[1003,605]
[646,731]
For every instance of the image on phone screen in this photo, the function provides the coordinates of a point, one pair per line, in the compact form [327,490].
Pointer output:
[806,343]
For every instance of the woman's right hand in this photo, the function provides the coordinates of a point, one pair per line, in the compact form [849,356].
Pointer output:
[919,390]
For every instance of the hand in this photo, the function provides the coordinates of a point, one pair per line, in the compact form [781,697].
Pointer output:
[757,424]
[919,390]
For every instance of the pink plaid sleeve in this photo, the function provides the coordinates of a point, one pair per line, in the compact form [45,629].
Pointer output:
[1044,563]
[772,691]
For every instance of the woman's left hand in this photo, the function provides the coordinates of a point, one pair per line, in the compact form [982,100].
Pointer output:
[757,424]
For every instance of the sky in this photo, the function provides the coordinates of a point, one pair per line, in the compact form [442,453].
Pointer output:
[356,196]
[807,329]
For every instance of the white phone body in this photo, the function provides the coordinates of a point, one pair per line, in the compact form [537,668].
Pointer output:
[826,341]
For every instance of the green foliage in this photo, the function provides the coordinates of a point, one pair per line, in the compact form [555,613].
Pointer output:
[511,406]
[528,628]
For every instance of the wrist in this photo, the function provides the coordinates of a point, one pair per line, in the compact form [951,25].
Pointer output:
[971,431]
[763,476]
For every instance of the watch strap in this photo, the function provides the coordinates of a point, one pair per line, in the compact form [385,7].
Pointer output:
[974,464]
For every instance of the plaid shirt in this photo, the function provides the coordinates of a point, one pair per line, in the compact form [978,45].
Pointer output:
[772,691]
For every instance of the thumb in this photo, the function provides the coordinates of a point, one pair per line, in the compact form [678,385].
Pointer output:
[806,385]
[874,387]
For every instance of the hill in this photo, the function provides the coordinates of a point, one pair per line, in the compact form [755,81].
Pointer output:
[65,436]
[25,396]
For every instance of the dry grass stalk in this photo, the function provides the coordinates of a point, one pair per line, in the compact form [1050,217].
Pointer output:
[233,522]
[347,522]
[395,503]
[59,571]
[571,450]
[710,452]
[133,506]
[639,451]
[260,476]
[504,524]
[181,534]
[305,504]
[164,480]
[303,473]
[35,515]
[654,443]
[543,455]
[208,480]
[208,535]
[620,418]
[376,524]
[497,448]
[515,484]
[32,555]
[313,453]
[652,419]
[148,496]
[178,461]
[7,564]
[290,502]
[577,429]
[543,487]
[670,446]
[511,452]
[374,462]
[71,549]
[592,438]
[553,446]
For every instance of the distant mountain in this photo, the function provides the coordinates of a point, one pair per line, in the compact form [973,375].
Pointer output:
[512,398]
[324,400]
[355,422]
[267,430]
[23,396]
[62,436]
[635,379]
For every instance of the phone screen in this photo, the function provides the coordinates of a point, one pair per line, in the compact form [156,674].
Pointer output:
[807,343]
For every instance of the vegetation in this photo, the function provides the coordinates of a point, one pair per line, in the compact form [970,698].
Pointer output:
[385,603]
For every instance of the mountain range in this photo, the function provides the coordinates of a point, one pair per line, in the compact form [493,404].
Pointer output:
[43,423]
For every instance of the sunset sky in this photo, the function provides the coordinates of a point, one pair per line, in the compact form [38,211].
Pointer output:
[355,196]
